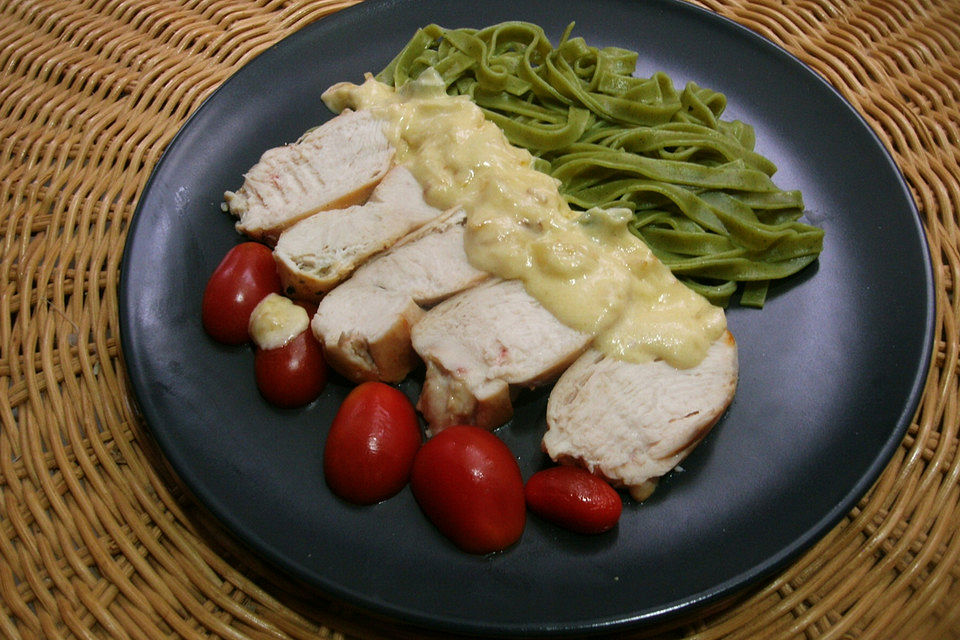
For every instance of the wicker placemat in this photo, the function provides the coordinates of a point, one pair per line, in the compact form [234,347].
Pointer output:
[96,540]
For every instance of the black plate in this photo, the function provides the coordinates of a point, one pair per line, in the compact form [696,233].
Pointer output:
[831,370]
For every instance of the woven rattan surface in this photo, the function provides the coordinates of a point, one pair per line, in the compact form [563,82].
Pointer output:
[96,538]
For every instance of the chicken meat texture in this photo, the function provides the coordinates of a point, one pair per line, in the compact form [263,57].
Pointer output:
[631,423]
[321,251]
[332,166]
[480,346]
[364,324]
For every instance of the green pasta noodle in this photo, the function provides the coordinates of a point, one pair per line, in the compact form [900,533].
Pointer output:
[702,198]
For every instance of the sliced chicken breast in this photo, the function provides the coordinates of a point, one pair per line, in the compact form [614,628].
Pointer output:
[632,423]
[317,253]
[365,332]
[364,324]
[429,264]
[332,166]
[481,345]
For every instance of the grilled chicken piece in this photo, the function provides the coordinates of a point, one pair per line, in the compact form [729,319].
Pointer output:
[317,253]
[632,423]
[365,332]
[480,346]
[333,166]
[429,265]
[364,324]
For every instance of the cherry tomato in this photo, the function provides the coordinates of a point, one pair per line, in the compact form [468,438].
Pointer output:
[574,498]
[292,375]
[244,277]
[468,483]
[371,444]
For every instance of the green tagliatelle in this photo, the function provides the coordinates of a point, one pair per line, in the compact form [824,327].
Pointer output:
[702,198]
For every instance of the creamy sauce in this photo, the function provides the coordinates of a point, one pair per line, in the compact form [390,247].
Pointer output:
[275,321]
[587,269]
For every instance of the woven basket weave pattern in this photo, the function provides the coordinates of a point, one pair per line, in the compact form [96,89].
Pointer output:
[96,540]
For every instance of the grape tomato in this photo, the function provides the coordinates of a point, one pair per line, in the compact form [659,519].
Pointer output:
[574,499]
[246,275]
[468,484]
[292,375]
[371,444]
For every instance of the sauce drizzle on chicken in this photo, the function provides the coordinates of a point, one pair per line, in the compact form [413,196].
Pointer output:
[586,269]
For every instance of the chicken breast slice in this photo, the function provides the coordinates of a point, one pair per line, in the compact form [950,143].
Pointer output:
[429,265]
[365,332]
[319,252]
[332,166]
[364,324]
[632,423]
[483,344]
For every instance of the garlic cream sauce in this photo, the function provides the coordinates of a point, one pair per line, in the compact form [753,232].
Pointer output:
[275,321]
[585,268]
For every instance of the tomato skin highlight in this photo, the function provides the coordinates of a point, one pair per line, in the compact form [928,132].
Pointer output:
[242,279]
[292,375]
[371,444]
[468,484]
[574,499]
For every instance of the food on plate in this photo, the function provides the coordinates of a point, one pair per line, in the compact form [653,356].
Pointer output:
[371,444]
[574,499]
[365,323]
[584,268]
[468,484]
[480,346]
[331,166]
[320,251]
[562,281]
[288,361]
[244,277]
[701,195]
[633,422]
[595,252]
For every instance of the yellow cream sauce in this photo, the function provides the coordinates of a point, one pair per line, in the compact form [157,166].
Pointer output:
[275,321]
[585,268]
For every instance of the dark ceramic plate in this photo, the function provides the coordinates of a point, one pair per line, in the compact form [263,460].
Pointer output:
[831,370]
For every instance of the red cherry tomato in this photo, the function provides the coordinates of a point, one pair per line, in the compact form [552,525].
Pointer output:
[244,277]
[292,375]
[468,483]
[574,498]
[371,444]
